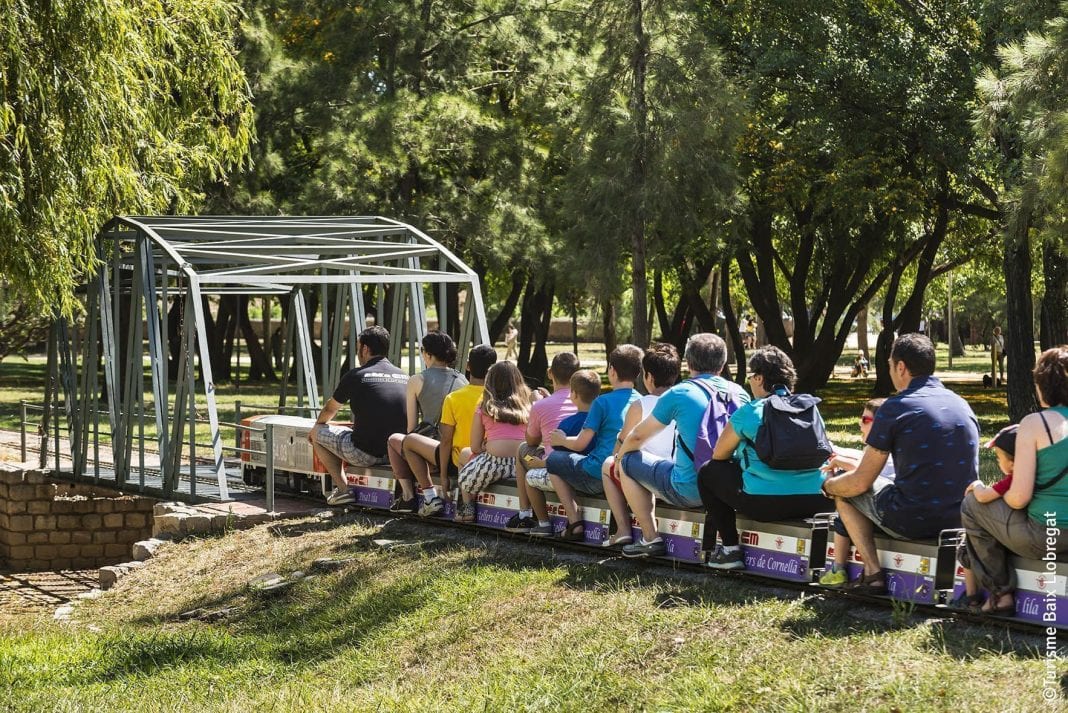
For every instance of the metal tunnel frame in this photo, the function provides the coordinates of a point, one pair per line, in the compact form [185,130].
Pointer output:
[156,260]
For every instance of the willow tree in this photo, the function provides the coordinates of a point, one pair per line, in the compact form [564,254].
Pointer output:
[105,108]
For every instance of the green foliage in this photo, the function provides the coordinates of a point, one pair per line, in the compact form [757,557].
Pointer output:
[107,108]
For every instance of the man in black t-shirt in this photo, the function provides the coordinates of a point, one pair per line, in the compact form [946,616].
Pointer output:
[376,394]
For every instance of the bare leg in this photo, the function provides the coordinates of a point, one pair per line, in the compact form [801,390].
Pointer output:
[400,466]
[641,503]
[466,454]
[616,501]
[971,586]
[860,529]
[521,479]
[566,493]
[841,550]
[332,463]
[421,455]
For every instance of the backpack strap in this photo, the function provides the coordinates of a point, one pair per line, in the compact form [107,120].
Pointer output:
[1052,481]
[1049,434]
[711,394]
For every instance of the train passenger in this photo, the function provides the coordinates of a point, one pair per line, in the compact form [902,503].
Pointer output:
[1030,518]
[737,480]
[585,386]
[412,454]
[847,459]
[1004,445]
[675,482]
[545,417]
[457,412]
[375,392]
[660,368]
[933,437]
[571,472]
[497,430]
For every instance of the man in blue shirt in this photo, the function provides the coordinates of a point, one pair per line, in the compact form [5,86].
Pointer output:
[934,439]
[674,482]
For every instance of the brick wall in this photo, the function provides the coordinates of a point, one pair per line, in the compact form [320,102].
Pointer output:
[53,526]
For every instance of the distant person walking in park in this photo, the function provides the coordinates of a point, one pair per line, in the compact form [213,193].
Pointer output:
[997,356]
[511,343]
[860,366]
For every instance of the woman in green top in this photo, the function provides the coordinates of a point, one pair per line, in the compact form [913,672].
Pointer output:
[1028,520]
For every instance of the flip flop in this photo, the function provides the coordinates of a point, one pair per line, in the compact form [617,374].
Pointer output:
[618,541]
[573,532]
[867,584]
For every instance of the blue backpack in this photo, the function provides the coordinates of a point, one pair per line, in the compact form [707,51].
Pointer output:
[791,435]
[720,407]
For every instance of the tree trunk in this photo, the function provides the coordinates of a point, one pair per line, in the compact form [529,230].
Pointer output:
[734,335]
[259,363]
[534,331]
[639,64]
[1019,314]
[508,308]
[661,309]
[1054,324]
[608,315]
[528,318]
[574,326]
[862,331]
[884,386]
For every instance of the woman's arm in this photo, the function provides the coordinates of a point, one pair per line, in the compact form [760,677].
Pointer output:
[726,444]
[1022,489]
[411,399]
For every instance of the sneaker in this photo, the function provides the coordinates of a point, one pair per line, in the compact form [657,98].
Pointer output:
[834,577]
[641,548]
[720,559]
[465,512]
[520,524]
[340,497]
[435,506]
[400,505]
[541,530]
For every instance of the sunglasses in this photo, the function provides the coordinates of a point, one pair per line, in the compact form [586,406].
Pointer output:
[866,419]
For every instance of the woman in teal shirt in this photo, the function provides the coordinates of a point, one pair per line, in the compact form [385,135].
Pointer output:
[737,481]
[1029,519]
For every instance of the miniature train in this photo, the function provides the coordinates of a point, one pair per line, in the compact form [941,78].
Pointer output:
[924,572]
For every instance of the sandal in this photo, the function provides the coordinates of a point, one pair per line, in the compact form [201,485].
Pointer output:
[573,532]
[998,610]
[970,603]
[618,541]
[871,584]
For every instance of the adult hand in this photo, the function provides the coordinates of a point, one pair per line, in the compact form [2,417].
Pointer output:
[313,430]
[556,438]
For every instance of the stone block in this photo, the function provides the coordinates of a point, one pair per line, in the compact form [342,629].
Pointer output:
[20,523]
[5,522]
[83,563]
[39,507]
[83,507]
[16,507]
[171,525]
[61,563]
[36,538]
[123,505]
[113,520]
[128,537]
[62,507]
[44,522]
[92,522]
[35,476]
[44,492]
[163,508]
[14,538]
[145,549]
[22,552]
[220,522]
[81,537]
[45,552]
[69,551]
[144,505]
[135,519]
[92,550]
[108,576]
[59,537]
[21,492]
[3,491]
[116,550]
[68,522]
[103,537]
[198,525]
[36,565]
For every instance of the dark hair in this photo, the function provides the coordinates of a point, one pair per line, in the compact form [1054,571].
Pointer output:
[564,365]
[376,339]
[586,384]
[626,359]
[440,346]
[661,361]
[874,404]
[506,398]
[1005,440]
[774,366]
[480,359]
[705,353]
[1051,375]
[916,351]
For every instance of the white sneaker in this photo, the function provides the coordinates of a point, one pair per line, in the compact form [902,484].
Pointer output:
[340,497]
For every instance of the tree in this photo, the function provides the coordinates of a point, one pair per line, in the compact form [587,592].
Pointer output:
[107,108]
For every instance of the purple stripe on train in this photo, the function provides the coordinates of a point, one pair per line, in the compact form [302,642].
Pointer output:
[372,497]
[781,565]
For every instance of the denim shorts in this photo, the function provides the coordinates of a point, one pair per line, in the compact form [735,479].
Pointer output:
[568,466]
[654,474]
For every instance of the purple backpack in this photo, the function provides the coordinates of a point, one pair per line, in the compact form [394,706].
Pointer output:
[720,407]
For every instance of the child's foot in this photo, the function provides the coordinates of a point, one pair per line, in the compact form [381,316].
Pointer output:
[835,576]
[1000,605]
[966,602]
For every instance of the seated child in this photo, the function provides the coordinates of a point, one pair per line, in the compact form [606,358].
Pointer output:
[570,472]
[585,387]
[1004,445]
[848,459]
[860,366]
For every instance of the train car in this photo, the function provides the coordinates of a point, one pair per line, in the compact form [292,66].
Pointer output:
[792,551]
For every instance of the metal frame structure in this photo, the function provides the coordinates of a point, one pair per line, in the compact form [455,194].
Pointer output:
[148,262]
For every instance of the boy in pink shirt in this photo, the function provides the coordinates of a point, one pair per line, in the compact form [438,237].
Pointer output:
[545,417]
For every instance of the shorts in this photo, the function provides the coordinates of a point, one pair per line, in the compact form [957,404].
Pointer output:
[484,470]
[538,478]
[338,440]
[568,467]
[654,474]
[868,505]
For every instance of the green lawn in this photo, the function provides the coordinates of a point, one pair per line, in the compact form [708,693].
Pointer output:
[453,621]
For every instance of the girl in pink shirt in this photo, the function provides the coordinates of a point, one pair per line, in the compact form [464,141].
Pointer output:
[497,430]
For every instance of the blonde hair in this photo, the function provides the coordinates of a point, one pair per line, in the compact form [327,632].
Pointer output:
[506,398]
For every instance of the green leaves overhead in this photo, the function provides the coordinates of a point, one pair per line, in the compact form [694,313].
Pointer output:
[107,108]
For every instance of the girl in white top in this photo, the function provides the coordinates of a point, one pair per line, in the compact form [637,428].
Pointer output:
[660,368]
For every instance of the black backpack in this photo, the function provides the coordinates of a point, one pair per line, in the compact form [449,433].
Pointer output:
[791,435]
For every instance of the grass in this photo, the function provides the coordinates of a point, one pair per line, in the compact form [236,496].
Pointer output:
[449,620]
